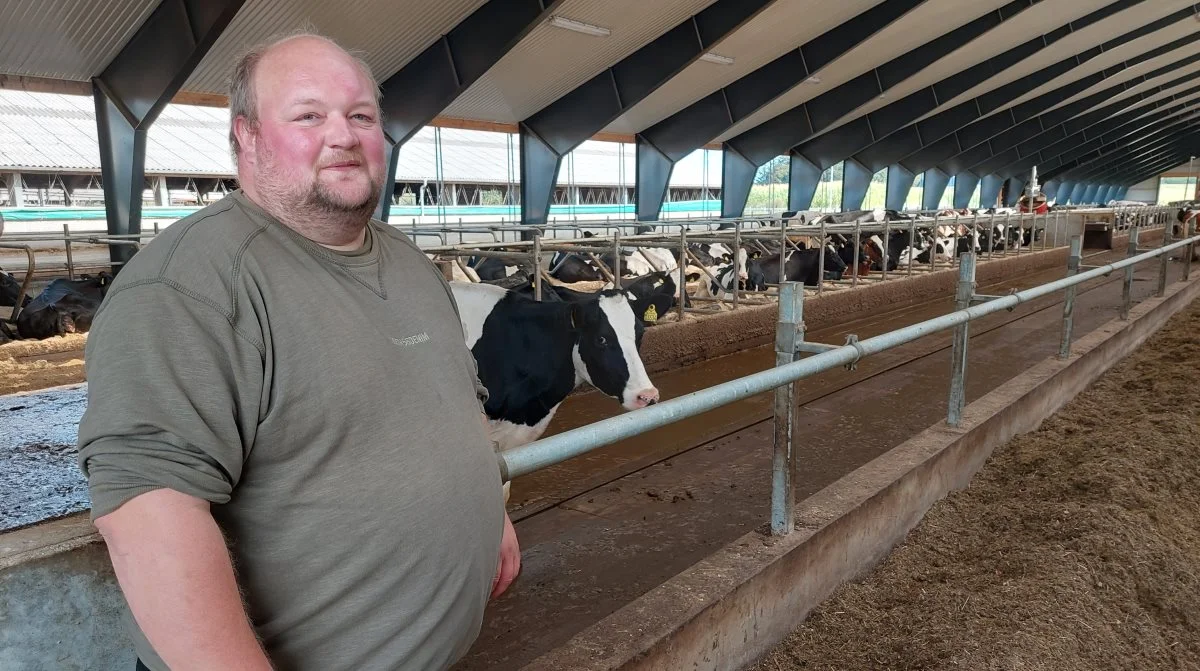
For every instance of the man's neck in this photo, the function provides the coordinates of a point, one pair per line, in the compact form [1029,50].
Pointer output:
[341,233]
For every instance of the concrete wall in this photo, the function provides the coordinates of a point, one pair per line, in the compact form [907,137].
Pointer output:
[1146,192]
[734,606]
[63,612]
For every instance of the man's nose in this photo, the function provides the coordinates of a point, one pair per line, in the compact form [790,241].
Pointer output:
[339,132]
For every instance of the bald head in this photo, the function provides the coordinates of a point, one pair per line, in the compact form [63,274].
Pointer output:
[307,136]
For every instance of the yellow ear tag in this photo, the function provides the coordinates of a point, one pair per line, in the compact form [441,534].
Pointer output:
[651,315]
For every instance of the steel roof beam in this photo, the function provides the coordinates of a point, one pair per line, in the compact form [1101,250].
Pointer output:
[1089,123]
[1052,124]
[1153,165]
[1162,161]
[761,143]
[427,84]
[1053,156]
[949,144]
[1128,137]
[133,90]
[1069,181]
[555,130]
[663,144]
[1123,153]
[880,139]
[1067,149]
[1120,161]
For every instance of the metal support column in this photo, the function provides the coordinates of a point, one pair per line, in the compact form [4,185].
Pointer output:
[16,190]
[856,181]
[964,188]
[958,356]
[899,184]
[162,196]
[935,186]
[1127,285]
[989,190]
[383,209]
[135,87]
[1073,261]
[1189,231]
[803,178]
[1164,263]
[789,332]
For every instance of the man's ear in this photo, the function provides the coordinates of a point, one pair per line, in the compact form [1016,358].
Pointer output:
[243,130]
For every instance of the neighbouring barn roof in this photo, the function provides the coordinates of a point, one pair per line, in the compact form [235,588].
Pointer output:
[57,132]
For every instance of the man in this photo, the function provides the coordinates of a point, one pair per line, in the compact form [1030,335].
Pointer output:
[284,442]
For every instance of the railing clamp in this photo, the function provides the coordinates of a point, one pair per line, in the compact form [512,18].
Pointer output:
[976,299]
[852,341]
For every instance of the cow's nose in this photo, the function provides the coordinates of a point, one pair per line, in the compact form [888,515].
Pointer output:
[647,397]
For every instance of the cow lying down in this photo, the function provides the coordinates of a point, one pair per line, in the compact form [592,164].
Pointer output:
[531,355]
[65,306]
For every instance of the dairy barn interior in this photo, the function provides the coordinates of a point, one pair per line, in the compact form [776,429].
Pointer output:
[909,271]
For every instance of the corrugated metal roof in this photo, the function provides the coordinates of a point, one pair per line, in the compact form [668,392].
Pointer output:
[66,39]
[931,18]
[1051,15]
[49,131]
[388,33]
[1121,54]
[550,62]
[778,29]
[472,156]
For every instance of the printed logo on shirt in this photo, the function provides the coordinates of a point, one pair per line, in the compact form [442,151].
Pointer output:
[412,340]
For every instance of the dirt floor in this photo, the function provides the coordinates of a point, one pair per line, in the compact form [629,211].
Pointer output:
[26,365]
[1076,547]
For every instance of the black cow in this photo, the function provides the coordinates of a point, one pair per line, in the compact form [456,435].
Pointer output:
[567,267]
[803,266]
[531,355]
[492,269]
[65,306]
[10,288]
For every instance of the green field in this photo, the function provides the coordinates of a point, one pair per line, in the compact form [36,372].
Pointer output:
[829,197]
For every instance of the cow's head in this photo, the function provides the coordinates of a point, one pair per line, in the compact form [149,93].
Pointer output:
[606,354]
[833,261]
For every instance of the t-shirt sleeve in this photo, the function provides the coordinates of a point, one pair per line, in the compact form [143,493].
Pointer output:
[174,392]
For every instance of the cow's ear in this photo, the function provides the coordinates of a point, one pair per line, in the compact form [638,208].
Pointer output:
[580,314]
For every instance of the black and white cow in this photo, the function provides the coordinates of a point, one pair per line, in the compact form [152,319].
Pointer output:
[64,306]
[650,296]
[531,355]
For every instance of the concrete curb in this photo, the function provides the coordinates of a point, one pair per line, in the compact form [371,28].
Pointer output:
[731,608]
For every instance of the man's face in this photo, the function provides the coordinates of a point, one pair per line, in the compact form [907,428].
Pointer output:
[319,143]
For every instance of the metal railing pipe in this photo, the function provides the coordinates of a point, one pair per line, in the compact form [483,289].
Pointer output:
[560,447]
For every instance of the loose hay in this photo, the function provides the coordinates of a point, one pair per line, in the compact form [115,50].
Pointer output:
[1076,547]
[26,365]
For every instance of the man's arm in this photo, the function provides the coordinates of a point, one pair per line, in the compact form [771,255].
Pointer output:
[174,569]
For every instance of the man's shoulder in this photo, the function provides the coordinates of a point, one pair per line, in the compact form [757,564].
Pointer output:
[198,254]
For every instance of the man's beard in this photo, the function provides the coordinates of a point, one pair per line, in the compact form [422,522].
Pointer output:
[322,200]
[313,206]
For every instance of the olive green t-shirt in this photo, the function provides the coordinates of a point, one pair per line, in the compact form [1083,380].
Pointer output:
[327,406]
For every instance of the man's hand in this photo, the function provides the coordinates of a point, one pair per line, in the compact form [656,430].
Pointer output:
[510,559]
